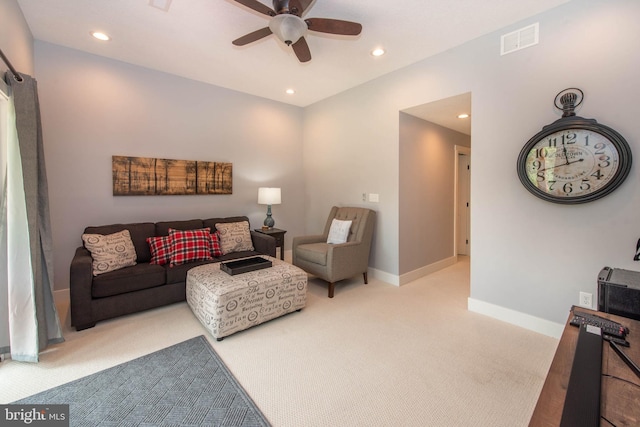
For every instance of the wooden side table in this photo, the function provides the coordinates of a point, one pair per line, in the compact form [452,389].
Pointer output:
[278,235]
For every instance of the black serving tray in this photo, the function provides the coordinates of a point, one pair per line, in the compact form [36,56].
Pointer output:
[245,265]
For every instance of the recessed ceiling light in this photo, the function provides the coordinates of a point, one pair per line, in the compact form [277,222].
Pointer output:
[463,116]
[378,51]
[290,91]
[100,36]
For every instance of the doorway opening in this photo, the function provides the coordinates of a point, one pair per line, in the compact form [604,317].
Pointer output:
[434,198]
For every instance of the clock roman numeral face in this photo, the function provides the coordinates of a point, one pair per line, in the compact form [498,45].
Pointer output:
[572,163]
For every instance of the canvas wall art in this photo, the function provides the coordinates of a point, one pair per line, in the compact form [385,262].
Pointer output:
[146,176]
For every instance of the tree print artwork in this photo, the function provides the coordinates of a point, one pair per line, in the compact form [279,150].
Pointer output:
[145,176]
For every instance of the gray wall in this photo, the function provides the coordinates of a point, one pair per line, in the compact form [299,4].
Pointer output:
[528,255]
[15,38]
[93,108]
[427,169]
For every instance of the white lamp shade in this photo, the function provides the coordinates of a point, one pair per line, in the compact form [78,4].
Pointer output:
[269,196]
[288,28]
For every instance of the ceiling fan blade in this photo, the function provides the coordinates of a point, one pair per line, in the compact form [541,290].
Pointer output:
[301,48]
[334,26]
[251,37]
[258,7]
[305,4]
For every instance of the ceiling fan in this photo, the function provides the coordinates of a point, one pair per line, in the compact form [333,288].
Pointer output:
[289,26]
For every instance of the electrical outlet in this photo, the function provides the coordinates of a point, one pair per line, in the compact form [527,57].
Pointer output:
[364,197]
[586,299]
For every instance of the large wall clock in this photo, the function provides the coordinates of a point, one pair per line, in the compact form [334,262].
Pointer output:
[574,160]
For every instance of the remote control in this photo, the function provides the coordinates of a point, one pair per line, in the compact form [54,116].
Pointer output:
[616,340]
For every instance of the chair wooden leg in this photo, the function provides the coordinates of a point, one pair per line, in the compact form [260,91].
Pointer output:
[332,287]
[366,282]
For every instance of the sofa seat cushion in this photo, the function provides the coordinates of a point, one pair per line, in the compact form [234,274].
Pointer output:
[178,273]
[314,252]
[128,279]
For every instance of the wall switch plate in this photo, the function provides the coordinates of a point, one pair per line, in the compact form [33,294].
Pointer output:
[586,300]
[373,197]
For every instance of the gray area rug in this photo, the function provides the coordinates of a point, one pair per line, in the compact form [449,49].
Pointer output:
[183,385]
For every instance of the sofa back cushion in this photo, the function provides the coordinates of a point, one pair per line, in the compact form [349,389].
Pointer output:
[211,222]
[138,231]
[162,228]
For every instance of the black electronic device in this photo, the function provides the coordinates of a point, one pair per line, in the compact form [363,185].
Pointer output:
[582,403]
[619,292]
[607,326]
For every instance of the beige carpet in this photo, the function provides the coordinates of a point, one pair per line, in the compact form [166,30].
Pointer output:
[375,355]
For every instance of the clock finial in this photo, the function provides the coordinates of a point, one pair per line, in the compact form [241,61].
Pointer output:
[569,100]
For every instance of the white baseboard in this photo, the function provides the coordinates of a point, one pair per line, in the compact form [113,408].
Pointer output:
[527,321]
[392,279]
[427,269]
[403,279]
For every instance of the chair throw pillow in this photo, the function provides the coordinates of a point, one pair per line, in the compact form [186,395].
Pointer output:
[189,245]
[234,236]
[160,250]
[339,231]
[110,252]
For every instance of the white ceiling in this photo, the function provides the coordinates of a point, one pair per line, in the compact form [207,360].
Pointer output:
[445,112]
[193,38]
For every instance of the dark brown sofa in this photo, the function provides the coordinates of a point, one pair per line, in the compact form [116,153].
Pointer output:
[144,285]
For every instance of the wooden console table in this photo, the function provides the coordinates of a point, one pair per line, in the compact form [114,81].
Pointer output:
[619,399]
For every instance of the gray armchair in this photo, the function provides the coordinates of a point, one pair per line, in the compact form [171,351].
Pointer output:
[334,262]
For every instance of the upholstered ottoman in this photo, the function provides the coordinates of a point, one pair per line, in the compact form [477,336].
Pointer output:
[226,304]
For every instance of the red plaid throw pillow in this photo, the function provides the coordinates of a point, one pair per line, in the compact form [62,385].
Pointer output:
[216,250]
[160,250]
[189,245]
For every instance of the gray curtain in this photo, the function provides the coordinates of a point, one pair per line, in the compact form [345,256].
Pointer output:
[29,131]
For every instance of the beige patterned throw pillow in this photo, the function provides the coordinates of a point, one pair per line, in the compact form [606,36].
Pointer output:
[234,236]
[110,252]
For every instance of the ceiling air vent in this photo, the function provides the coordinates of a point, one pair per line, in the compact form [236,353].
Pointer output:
[160,4]
[519,39]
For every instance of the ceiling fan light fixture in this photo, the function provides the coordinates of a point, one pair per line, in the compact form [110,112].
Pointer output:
[288,28]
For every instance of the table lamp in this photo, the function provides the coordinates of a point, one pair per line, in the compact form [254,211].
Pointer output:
[269,196]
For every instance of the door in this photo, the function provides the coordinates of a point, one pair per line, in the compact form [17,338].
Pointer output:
[463,206]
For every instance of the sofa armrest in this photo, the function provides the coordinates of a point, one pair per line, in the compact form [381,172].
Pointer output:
[80,282]
[264,243]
